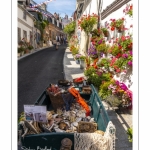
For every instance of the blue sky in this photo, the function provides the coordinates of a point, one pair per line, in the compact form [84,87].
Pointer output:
[60,6]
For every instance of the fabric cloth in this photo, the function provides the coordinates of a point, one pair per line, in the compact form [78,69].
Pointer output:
[68,100]
[80,100]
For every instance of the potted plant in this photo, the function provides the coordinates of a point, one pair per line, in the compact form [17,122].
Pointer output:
[82,61]
[86,24]
[92,52]
[105,32]
[77,58]
[75,51]
[20,51]
[128,10]
[119,24]
[102,48]
[30,47]
[104,63]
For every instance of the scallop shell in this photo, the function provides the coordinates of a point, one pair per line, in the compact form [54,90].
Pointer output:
[49,115]
[78,119]
[92,120]
[75,124]
[88,117]
[55,115]
[58,130]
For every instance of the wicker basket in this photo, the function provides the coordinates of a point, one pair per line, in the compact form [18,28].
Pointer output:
[89,127]
[56,101]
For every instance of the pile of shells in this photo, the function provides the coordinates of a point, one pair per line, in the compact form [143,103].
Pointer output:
[66,121]
[71,121]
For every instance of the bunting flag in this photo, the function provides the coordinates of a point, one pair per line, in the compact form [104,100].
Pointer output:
[46,14]
[45,2]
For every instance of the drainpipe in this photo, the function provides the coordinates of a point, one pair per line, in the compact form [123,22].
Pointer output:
[99,12]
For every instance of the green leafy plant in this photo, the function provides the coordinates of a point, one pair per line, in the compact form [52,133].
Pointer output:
[92,76]
[104,63]
[113,100]
[30,47]
[69,29]
[96,32]
[21,49]
[130,134]
[87,22]
[114,50]
[75,51]
[119,22]
[104,92]
[129,10]
[40,17]
[126,42]
[82,57]
[105,31]
[102,48]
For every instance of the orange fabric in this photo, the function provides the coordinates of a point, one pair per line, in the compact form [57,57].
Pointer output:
[80,100]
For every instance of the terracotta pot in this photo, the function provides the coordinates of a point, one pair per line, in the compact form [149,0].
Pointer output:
[120,29]
[27,51]
[106,34]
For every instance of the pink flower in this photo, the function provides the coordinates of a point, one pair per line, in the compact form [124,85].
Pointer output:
[117,82]
[130,63]
[125,55]
[123,86]
[130,53]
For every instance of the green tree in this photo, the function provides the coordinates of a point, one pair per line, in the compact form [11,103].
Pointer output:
[69,29]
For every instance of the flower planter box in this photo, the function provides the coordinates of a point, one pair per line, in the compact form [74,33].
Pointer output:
[82,64]
[77,61]
[18,54]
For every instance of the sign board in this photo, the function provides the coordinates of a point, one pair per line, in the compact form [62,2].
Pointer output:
[35,113]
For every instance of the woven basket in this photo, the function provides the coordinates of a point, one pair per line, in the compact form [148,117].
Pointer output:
[56,101]
[89,127]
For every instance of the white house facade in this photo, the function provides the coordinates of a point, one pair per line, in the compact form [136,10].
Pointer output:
[109,10]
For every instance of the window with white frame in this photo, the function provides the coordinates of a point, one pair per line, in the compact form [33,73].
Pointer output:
[19,35]
[52,20]
[24,15]
[25,34]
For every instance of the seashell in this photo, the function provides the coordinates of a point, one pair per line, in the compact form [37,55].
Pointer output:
[92,120]
[52,112]
[78,119]
[67,122]
[69,131]
[58,120]
[73,112]
[63,126]
[81,114]
[55,115]
[55,126]
[75,124]
[66,114]
[49,115]
[50,122]
[59,111]
[73,128]
[72,118]
[58,130]
[85,119]
[88,117]
[76,110]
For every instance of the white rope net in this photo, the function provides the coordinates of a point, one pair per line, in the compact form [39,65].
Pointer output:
[95,141]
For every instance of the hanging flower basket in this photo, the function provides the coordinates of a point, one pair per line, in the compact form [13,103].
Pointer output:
[120,29]
[94,56]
